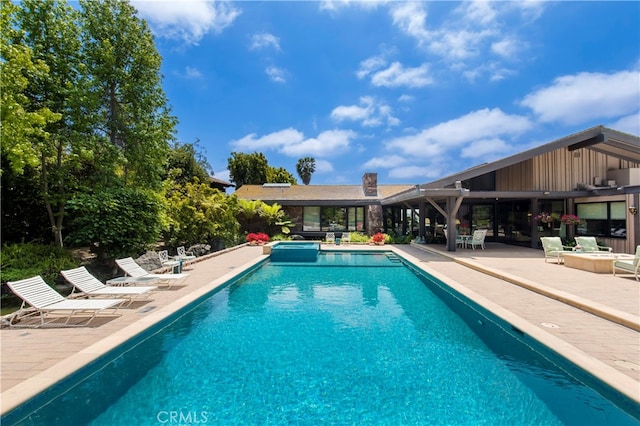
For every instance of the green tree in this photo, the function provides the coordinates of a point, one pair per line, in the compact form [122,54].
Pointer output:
[198,213]
[116,222]
[280,175]
[49,29]
[17,68]
[305,168]
[187,162]
[247,169]
[125,99]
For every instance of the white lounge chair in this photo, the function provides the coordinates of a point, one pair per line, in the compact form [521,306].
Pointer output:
[45,302]
[330,237]
[90,286]
[629,266]
[132,269]
[589,244]
[553,249]
[477,239]
[346,238]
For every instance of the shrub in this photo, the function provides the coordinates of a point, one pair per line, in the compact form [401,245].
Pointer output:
[115,222]
[359,237]
[25,260]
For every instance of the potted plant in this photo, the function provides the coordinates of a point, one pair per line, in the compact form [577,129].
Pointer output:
[547,218]
[570,219]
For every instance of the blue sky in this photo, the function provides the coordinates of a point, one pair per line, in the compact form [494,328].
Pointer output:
[411,90]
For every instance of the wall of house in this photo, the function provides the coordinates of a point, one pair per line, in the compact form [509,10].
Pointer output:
[619,245]
[559,170]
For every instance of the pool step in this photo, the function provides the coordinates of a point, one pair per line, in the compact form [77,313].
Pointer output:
[393,257]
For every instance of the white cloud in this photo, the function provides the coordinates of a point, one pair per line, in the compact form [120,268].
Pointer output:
[189,73]
[276,74]
[324,166]
[530,10]
[354,112]
[259,41]
[411,18]
[396,76]
[369,65]
[478,12]
[369,113]
[412,173]
[486,149]
[477,125]
[576,99]
[326,144]
[507,47]
[406,98]
[460,44]
[492,69]
[273,140]
[188,22]
[629,124]
[384,162]
[335,5]
[292,142]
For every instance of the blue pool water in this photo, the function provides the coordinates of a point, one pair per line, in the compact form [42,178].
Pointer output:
[313,344]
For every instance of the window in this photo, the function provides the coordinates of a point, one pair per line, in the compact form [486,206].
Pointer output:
[332,218]
[356,219]
[607,219]
[317,218]
[311,221]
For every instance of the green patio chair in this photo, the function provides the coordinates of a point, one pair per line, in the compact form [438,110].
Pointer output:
[629,266]
[553,249]
[590,245]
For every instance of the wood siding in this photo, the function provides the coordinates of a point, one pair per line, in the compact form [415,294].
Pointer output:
[559,170]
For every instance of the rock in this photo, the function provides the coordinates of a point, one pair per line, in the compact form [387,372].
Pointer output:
[199,249]
[149,261]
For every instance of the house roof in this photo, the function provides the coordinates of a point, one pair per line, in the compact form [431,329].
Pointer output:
[285,194]
[599,138]
[220,182]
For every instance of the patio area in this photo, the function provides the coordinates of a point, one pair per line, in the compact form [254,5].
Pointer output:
[591,319]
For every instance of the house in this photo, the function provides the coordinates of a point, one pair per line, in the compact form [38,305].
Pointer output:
[318,209]
[594,174]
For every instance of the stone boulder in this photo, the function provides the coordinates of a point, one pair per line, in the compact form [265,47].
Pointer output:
[149,261]
[199,249]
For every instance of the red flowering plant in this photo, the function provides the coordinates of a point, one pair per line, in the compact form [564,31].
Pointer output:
[378,238]
[257,238]
[570,219]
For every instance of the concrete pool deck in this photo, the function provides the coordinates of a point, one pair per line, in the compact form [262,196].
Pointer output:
[591,319]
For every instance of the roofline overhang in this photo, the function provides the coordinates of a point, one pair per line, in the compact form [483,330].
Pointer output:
[337,203]
[421,195]
[599,138]
[418,193]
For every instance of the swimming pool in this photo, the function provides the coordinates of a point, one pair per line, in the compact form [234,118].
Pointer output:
[353,343]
